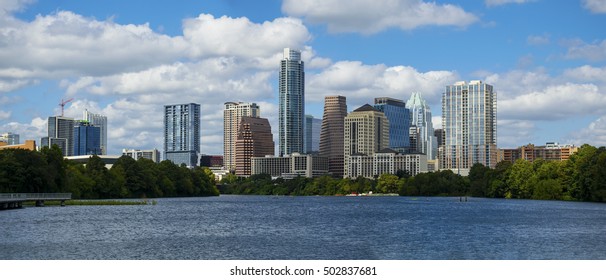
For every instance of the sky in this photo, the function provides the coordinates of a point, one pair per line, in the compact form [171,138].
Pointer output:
[127,59]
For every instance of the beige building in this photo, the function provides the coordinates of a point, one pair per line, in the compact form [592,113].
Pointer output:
[386,161]
[551,152]
[366,132]
[28,145]
[232,113]
[254,140]
[290,166]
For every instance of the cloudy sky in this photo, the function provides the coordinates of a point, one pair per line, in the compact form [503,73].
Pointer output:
[126,59]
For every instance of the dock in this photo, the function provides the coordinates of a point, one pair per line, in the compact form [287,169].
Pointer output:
[16,200]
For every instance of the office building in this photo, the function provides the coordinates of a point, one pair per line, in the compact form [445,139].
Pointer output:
[469,120]
[291,104]
[366,132]
[182,133]
[60,133]
[9,138]
[333,132]
[211,161]
[386,161]
[439,134]
[87,139]
[420,119]
[153,155]
[399,121]
[290,166]
[312,134]
[254,140]
[232,113]
[99,121]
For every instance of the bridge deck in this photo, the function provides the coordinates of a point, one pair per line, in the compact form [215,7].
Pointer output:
[15,200]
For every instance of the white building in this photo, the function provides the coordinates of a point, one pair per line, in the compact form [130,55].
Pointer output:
[290,166]
[386,161]
[421,126]
[153,155]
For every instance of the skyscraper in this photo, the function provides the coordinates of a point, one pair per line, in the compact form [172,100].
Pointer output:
[254,140]
[292,103]
[332,133]
[61,133]
[232,113]
[87,139]
[99,121]
[420,116]
[182,133]
[366,132]
[399,121]
[469,120]
[312,134]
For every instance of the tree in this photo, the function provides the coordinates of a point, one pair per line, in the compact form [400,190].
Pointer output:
[387,183]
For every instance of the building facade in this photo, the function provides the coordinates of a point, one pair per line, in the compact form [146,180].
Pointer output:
[550,152]
[332,133]
[386,161]
[182,133]
[87,139]
[399,121]
[99,121]
[469,120]
[291,103]
[312,134]
[211,161]
[9,138]
[420,119]
[290,166]
[28,145]
[232,113]
[153,155]
[60,133]
[366,132]
[254,140]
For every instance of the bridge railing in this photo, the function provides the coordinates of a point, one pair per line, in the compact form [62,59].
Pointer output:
[36,196]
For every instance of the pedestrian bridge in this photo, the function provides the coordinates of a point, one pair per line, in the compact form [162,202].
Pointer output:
[15,200]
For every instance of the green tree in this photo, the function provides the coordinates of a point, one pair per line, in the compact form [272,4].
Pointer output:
[388,183]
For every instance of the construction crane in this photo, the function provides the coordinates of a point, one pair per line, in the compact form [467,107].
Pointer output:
[62,104]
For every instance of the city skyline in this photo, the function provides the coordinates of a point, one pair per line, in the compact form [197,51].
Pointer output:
[181,54]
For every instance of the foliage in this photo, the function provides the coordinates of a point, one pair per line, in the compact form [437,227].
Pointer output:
[24,171]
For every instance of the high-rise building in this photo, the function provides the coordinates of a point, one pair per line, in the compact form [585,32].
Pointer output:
[87,139]
[420,116]
[439,134]
[312,134]
[254,140]
[399,121]
[366,132]
[60,133]
[232,113]
[332,133]
[291,103]
[153,155]
[182,133]
[469,120]
[9,138]
[99,121]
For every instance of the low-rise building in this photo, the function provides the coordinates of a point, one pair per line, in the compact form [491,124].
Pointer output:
[28,145]
[153,155]
[290,166]
[552,151]
[386,161]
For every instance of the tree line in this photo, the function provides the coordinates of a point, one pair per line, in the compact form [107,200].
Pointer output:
[24,171]
[581,178]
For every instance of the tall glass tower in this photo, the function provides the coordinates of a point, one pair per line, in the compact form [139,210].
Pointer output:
[292,103]
[312,134]
[182,133]
[87,139]
[399,121]
[99,121]
[420,118]
[469,118]
[61,133]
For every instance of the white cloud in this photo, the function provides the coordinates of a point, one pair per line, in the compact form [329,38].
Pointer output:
[593,134]
[360,82]
[368,16]
[537,40]
[587,73]
[595,6]
[4,115]
[555,103]
[34,130]
[591,52]
[492,3]
[513,133]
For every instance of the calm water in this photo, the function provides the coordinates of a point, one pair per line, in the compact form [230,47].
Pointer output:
[266,227]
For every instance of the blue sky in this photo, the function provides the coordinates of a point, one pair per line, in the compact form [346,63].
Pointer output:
[125,59]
